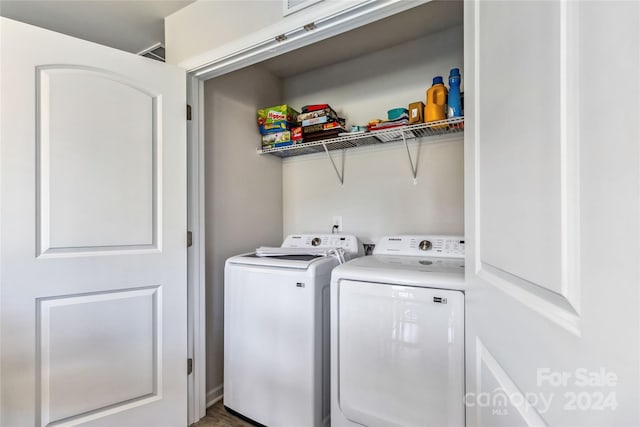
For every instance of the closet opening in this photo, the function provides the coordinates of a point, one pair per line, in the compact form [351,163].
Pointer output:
[240,199]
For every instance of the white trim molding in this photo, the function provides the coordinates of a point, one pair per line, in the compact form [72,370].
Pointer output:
[297,31]
[487,364]
[196,253]
[214,395]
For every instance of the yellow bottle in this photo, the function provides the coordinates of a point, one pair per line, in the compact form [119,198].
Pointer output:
[436,108]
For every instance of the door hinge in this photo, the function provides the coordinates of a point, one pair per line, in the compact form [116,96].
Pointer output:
[189,366]
[188,112]
[189,239]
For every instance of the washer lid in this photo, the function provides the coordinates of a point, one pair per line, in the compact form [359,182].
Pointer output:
[301,262]
[447,273]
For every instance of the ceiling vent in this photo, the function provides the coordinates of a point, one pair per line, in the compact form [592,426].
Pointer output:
[291,6]
[154,52]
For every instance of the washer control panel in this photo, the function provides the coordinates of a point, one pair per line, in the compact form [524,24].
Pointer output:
[347,242]
[421,245]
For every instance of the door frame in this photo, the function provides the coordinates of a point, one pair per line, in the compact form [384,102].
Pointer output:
[262,45]
[196,261]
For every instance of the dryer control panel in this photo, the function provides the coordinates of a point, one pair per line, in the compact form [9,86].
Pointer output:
[421,245]
[347,242]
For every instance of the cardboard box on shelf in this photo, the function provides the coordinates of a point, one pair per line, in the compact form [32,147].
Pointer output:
[317,120]
[296,134]
[330,112]
[307,130]
[416,112]
[275,127]
[279,113]
[276,138]
[325,134]
[282,144]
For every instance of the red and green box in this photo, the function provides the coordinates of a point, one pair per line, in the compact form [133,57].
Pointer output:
[279,113]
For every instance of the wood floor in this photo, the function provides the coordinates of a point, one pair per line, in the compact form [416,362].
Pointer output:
[217,416]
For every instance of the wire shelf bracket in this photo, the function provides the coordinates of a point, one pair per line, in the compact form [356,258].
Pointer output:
[340,172]
[412,164]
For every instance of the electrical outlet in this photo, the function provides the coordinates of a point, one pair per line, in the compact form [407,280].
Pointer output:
[337,220]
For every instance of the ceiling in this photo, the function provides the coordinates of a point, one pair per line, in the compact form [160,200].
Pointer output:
[420,21]
[136,25]
[130,25]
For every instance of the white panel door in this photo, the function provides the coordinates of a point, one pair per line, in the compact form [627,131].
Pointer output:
[552,212]
[93,256]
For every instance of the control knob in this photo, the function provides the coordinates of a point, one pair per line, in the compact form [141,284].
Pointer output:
[425,245]
[315,241]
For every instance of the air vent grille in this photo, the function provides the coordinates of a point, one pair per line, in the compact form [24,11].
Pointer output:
[291,6]
[156,52]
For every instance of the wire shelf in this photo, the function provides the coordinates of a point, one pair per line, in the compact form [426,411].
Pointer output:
[421,130]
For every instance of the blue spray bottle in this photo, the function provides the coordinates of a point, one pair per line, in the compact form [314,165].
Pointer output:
[455,105]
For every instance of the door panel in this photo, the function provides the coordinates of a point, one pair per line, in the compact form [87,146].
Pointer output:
[89,359]
[526,154]
[97,144]
[552,213]
[93,220]
[520,193]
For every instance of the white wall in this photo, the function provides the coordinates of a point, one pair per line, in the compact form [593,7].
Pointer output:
[378,196]
[243,191]
[205,25]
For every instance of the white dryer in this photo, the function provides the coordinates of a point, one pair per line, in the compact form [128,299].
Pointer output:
[397,335]
[276,330]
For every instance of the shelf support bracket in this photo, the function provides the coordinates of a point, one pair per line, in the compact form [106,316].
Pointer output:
[333,163]
[414,166]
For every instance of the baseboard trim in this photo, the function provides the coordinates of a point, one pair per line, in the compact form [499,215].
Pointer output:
[214,395]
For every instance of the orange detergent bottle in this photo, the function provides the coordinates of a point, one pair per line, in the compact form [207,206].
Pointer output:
[436,106]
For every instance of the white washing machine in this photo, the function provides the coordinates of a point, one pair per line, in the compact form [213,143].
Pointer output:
[397,335]
[276,330]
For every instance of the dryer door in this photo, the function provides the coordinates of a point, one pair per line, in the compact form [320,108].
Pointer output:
[401,355]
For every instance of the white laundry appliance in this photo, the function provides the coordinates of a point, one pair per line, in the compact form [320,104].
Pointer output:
[276,329]
[397,335]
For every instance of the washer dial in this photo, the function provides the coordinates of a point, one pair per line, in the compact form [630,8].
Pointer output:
[316,241]
[425,245]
